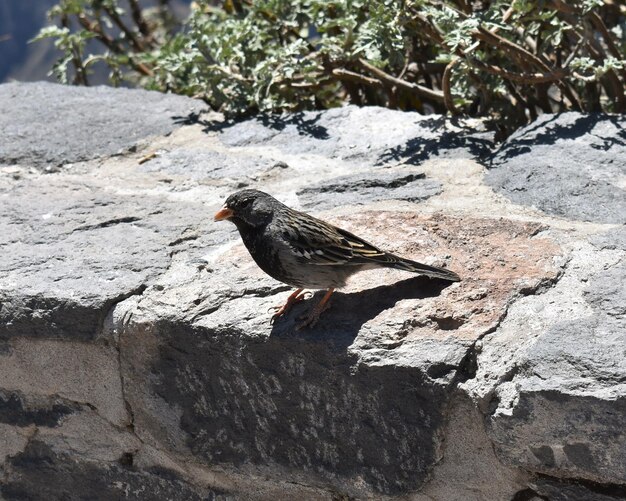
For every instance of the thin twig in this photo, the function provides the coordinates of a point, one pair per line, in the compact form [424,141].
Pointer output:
[391,80]
[547,74]
[80,73]
[137,14]
[523,78]
[445,87]
[351,76]
[510,47]
[112,44]
[134,41]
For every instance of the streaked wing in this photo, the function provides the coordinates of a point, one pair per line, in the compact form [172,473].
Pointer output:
[324,244]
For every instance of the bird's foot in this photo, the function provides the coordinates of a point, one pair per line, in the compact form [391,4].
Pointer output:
[311,319]
[296,297]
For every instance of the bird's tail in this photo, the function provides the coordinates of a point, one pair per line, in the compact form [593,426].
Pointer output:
[424,269]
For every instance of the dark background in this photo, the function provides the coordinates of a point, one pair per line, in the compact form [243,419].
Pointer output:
[21,20]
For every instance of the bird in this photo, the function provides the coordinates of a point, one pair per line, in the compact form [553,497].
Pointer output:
[305,252]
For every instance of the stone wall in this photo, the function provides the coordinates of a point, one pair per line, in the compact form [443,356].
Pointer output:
[137,360]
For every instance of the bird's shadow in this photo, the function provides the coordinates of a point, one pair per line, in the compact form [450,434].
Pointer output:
[341,323]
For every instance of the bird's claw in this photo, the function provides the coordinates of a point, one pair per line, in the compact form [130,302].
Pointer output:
[276,315]
[279,311]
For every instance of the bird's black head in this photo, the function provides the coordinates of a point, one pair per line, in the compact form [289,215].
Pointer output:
[250,207]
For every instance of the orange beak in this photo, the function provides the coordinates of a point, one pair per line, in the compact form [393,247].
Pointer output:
[223,213]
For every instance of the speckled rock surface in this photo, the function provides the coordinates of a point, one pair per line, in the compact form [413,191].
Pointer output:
[136,354]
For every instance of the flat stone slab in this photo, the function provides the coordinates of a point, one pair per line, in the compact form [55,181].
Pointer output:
[46,125]
[369,186]
[136,353]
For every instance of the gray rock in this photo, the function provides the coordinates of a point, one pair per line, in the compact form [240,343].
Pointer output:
[614,239]
[366,136]
[292,401]
[606,294]
[40,473]
[567,165]
[47,125]
[564,435]
[209,165]
[367,187]
[560,490]
[15,410]
[557,397]
[78,256]
[201,372]
[68,259]
[136,349]
[47,381]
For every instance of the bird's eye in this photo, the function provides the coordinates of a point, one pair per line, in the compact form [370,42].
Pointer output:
[246,202]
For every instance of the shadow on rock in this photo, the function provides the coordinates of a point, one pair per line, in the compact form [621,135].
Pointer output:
[305,126]
[552,128]
[447,143]
[340,324]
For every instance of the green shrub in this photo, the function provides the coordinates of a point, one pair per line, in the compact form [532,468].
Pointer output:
[509,60]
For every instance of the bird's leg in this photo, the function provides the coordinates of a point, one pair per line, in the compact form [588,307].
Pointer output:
[296,297]
[311,319]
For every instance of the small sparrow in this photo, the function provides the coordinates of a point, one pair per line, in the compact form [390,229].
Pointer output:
[306,252]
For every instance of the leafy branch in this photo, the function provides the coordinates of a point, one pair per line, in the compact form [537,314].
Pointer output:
[506,59]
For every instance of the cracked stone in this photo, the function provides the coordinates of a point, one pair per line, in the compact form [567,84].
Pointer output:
[367,187]
[557,394]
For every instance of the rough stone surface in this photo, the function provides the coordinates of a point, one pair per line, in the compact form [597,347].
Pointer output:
[79,373]
[362,135]
[293,402]
[136,356]
[367,187]
[41,473]
[20,411]
[581,491]
[72,257]
[571,165]
[46,125]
